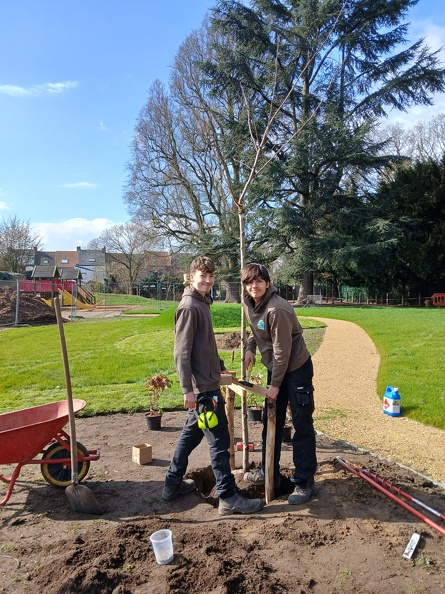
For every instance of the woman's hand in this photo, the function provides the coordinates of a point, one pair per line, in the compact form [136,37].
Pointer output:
[272,392]
[249,359]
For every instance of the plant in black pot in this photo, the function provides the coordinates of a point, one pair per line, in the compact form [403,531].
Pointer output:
[155,387]
[255,409]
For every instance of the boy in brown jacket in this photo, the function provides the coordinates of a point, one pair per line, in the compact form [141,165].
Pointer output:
[199,369]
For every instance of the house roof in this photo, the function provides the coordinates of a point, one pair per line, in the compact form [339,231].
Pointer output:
[66,259]
[70,273]
[45,272]
[44,258]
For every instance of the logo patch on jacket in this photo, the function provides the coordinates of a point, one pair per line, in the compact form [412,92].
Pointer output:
[260,325]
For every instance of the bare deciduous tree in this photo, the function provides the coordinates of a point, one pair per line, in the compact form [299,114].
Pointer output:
[126,246]
[425,140]
[18,240]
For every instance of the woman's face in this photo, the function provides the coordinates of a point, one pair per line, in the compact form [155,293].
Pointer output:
[256,289]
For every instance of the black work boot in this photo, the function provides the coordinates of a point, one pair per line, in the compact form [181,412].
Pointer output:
[170,492]
[238,504]
[302,493]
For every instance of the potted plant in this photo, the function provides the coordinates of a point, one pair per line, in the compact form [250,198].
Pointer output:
[155,387]
[255,409]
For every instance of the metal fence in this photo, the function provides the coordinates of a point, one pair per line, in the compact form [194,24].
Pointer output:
[15,304]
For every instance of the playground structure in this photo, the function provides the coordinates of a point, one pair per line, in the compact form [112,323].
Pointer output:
[438,299]
[72,293]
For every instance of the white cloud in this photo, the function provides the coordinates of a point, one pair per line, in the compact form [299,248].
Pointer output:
[87,185]
[3,205]
[102,127]
[67,235]
[36,90]
[434,38]
[434,34]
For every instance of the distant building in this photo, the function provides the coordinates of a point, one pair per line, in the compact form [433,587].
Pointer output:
[98,265]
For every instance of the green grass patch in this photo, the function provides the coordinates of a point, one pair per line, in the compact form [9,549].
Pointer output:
[411,345]
[137,304]
[111,358]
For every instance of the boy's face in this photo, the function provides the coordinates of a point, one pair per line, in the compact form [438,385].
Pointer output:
[202,281]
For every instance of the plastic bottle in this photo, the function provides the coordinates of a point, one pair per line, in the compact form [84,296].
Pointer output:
[392,403]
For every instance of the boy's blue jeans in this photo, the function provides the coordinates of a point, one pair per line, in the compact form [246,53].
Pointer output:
[296,389]
[218,440]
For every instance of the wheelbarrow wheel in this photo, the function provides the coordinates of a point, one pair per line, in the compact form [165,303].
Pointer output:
[60,474]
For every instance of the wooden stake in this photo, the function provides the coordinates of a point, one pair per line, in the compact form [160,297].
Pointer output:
[271,411]
[230,407]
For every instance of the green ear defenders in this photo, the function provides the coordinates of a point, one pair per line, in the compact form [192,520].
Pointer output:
[207,419]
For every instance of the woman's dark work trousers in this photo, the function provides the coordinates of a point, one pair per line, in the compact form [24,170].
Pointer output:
[297,390]
[218,440]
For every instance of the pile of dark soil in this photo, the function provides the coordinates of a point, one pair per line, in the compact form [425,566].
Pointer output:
[231,340]
[32,310]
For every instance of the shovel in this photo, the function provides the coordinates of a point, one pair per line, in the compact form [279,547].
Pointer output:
[80,498]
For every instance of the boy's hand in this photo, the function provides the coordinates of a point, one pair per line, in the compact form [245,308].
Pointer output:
[189,400]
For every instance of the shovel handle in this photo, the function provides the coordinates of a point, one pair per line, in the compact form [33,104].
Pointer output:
[68,391]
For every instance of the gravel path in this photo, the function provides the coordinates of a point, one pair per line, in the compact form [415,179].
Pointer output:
[349,408]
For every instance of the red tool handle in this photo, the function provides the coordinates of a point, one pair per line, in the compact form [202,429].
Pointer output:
[359,472]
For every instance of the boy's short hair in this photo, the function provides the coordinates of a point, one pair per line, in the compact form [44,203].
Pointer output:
[251,272]
[203,264]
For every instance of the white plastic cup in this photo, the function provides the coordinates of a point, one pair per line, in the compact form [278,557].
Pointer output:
[162,546]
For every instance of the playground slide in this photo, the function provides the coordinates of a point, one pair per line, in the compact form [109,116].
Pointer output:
[68,299]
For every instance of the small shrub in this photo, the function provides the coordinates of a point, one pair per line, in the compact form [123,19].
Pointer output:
[155,386]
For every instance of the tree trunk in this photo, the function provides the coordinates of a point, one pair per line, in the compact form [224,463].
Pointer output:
[306,288]
[233,294]
[245,430]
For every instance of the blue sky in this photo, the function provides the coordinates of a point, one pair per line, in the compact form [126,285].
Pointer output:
[74,75]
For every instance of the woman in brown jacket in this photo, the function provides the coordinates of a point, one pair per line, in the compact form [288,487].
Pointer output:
[277,334]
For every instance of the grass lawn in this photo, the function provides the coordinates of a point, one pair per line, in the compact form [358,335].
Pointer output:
[411,345]
[111,358]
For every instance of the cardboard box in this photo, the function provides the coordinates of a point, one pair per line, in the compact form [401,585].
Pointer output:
[142,454]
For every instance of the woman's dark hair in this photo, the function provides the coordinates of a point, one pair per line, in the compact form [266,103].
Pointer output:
[251,272]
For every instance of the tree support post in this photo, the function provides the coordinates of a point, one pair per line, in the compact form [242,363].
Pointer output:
[271,411]
[230,407]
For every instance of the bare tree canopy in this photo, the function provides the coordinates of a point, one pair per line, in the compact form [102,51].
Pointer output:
[126,246]
[18,240]
[188,151]
[423,141]
[269,121]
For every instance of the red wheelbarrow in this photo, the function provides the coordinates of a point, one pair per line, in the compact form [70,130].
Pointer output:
[24,435]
